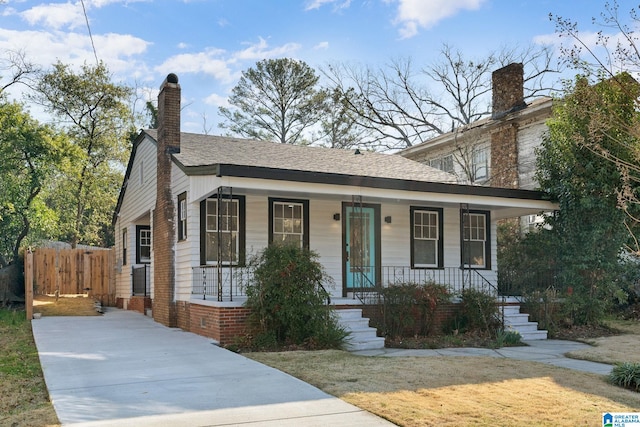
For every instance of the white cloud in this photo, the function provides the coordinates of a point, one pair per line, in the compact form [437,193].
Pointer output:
[55,15]
[321,46]
[217,100]
[337,4]
[209,62]
[119,51]
[261,50]
[415,14]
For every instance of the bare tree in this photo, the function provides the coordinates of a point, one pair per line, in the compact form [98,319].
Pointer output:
[612,53]
[14,69]
[614,59]
[403,106]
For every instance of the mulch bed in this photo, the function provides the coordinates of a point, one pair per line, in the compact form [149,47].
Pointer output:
[578,333]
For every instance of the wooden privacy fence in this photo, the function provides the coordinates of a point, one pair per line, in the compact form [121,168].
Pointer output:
[75,271]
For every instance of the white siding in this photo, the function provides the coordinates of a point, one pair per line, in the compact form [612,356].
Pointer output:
[184,249]
[136,207]
[529,138]
[325,238]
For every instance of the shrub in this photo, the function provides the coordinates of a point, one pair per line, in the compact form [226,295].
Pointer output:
[545,308]
[626,375]
[478,313]
[288,300]
[506,338]
[409,309]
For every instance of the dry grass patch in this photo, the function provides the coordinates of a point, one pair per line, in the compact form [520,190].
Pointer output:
[422,391]
[613,349]
[65,305]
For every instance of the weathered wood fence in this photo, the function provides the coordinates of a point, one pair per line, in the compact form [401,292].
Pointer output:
[75,271]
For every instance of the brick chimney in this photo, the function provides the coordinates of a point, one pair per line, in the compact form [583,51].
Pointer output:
[508,97]
[508,90]
[163,238]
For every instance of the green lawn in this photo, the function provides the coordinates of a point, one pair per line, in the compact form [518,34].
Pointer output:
[24,400]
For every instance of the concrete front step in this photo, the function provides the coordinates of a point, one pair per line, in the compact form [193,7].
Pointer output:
[520,323]
[533,335]
[362,336]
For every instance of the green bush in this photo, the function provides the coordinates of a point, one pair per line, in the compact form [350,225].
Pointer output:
[506,338]
[288,300]
[478,313]
[545,308]
[409,309]
[626,375]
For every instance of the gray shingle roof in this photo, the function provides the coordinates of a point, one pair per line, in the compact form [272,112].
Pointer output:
[206,150]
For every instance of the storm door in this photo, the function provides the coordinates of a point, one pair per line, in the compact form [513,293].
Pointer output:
[361,239]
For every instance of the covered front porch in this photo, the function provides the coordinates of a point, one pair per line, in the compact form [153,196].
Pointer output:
[228,284]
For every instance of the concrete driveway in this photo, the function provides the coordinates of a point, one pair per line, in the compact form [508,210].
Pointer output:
[124,369]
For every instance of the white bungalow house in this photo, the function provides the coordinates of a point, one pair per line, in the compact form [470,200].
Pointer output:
[193,208]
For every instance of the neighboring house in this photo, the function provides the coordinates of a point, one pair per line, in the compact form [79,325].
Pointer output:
[194,208]
[498,151]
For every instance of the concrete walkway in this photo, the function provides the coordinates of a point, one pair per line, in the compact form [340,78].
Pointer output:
[124,369]
[550,352]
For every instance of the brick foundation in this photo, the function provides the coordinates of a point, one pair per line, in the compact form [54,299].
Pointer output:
[223,324]
[226,324]
[139,304]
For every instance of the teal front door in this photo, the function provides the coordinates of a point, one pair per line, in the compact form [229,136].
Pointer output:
[361,247]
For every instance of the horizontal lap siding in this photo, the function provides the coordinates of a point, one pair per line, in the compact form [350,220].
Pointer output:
[257,223]
[529,138]
[326,239]
[184,249]
[138,201]
[395,237]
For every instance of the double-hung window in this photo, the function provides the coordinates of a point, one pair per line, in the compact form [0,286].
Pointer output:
[289,222]
[143,244]
[444,163]
[480,164]
[475,239]
[222,223]
[182,216]
[426,238]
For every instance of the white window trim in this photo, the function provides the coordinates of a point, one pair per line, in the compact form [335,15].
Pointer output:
[471,239]
[435,240]
[236,250]
[288,205]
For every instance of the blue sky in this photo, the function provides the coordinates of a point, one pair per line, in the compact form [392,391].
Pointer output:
[208,43]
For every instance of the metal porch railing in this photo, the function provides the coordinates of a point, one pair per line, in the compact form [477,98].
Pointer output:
[220,284]
[225,284]
[454,278]
[140,278]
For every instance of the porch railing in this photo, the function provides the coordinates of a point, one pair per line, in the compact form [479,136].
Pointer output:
[140,280]
[454,278]
[523,282]
[226,283]
[220,284]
